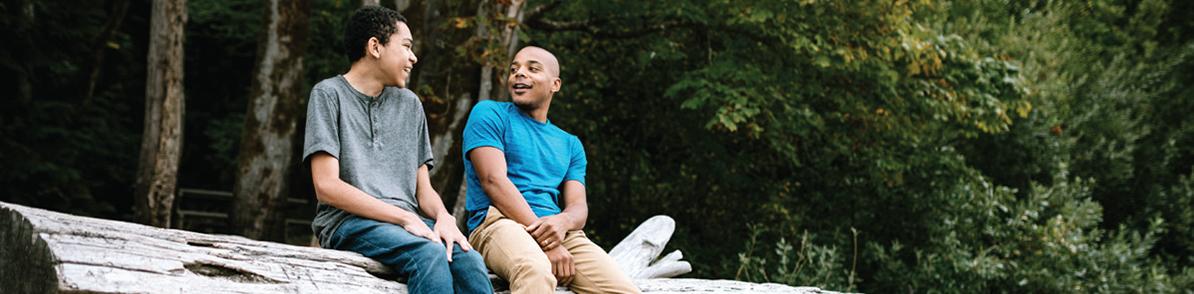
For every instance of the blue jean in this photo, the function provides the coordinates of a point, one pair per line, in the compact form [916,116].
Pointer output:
[422,261]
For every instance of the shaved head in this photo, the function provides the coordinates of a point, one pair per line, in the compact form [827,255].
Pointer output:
[549,61]
[534,79]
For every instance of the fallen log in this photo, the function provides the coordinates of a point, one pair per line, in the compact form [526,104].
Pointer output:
[47,252]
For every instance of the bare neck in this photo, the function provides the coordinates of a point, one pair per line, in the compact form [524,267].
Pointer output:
[538,114]
[363,79]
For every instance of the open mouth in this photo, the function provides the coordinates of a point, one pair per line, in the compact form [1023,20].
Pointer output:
[520,88]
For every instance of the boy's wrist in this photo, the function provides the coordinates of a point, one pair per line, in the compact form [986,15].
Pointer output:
[406,218]
[445,217]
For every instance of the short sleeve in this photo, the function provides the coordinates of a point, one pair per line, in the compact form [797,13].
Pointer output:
[322,130]
[485,127]
[426,154]
[576,166]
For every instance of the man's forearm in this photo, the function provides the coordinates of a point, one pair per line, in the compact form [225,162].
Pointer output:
[576,217]
[576,207]
[490,166]
[506,197]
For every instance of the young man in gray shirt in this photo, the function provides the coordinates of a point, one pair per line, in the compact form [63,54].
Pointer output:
[369,154]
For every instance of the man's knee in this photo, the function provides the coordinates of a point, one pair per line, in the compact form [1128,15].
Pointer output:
[532,270]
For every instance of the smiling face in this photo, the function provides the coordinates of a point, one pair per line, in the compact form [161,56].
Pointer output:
[396,58]
[534,78]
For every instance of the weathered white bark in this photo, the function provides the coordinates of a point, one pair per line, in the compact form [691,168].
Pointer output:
[637,253]
[45,252]
[66,253]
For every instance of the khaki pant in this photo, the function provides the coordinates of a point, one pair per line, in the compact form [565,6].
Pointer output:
[514,256]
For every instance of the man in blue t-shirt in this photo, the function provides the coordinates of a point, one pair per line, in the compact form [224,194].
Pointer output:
[526,189]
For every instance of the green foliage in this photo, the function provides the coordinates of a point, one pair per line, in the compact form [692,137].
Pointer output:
[875,146]
[990,240]
[59,150]
[50,164]
[808,265]
[969,145]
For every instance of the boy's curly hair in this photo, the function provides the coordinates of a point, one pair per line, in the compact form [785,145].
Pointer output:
[369,22]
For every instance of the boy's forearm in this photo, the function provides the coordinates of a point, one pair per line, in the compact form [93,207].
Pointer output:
[330,189]
[352,200]
[433,208]
[430,202]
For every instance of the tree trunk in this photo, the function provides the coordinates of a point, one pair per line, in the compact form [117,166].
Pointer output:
[22,48]
[503,46]
[267,156]
[509,42]
[100,45]
[500,48]
[161,138]
[444,82]
[50,252]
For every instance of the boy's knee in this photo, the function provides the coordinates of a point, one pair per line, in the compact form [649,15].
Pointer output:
[470,259]
[430,253]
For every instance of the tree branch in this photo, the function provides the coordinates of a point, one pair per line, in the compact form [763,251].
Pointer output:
[538,11]
[594,27]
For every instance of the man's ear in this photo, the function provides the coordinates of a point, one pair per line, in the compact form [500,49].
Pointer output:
[556,84]
[373,48]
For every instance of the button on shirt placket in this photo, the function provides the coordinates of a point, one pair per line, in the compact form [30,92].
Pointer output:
[371,111]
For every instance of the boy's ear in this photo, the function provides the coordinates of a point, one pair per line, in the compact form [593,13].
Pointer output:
[373,48]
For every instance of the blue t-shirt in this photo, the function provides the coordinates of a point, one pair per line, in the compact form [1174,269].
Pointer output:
[539,157]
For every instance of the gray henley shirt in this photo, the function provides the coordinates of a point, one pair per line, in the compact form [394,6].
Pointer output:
[380,143]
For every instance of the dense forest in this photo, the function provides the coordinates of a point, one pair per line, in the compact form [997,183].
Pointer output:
[875,146]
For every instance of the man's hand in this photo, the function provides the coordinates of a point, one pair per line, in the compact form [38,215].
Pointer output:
[549,231]
[445,229]
[561,264]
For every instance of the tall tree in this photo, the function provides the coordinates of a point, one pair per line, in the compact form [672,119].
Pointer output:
[276,104]
[161,138]
[497,36]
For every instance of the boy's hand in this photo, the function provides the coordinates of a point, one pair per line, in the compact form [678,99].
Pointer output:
[446,232]
[418,228]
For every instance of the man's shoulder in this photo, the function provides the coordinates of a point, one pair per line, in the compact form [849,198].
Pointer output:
[494,106]
[559,132]
[491,109]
